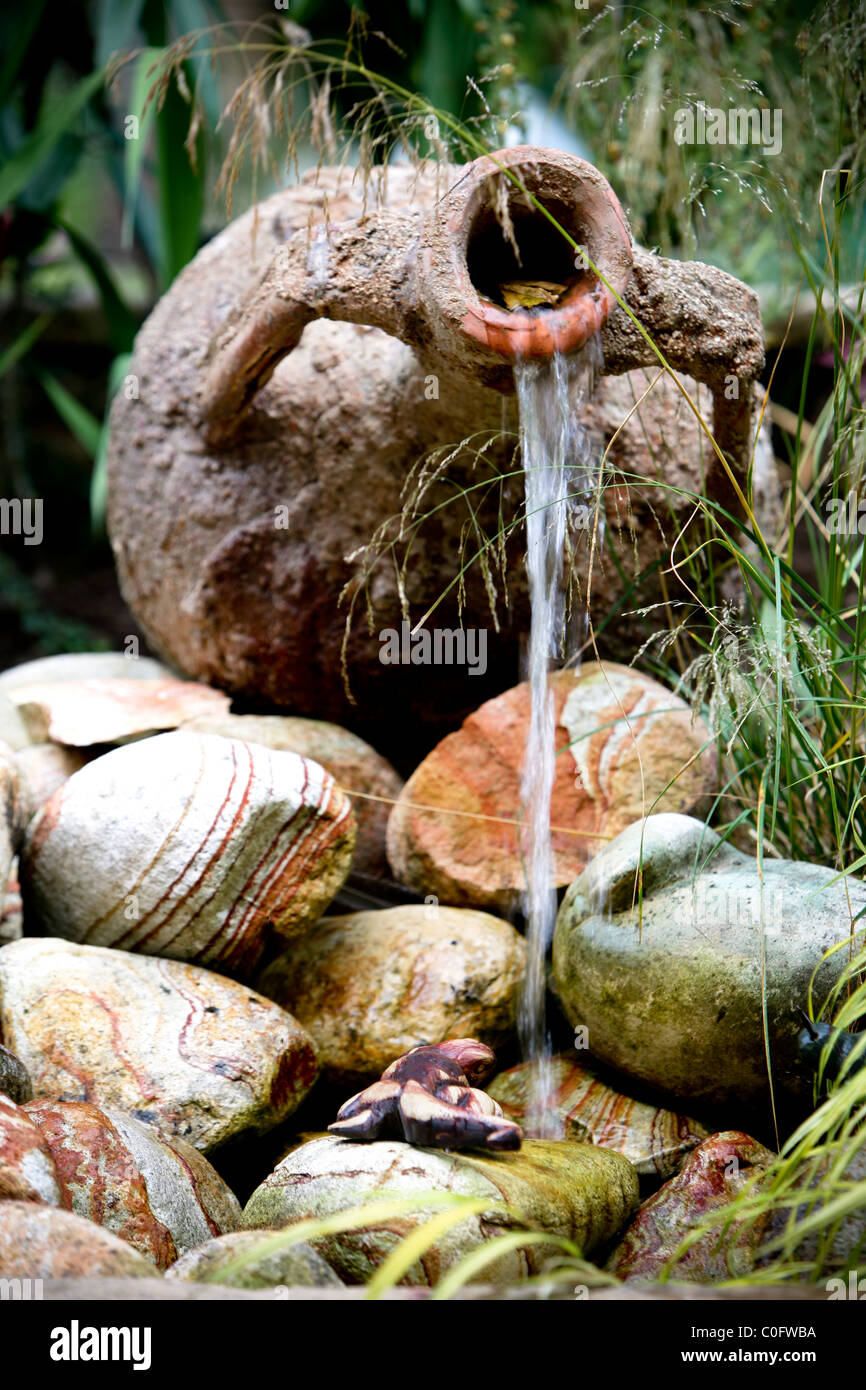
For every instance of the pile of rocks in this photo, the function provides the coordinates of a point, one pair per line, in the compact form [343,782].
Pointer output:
[173,984]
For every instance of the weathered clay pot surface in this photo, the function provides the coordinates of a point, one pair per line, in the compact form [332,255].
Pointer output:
[158,1194]
[670,990]
[354,765]
[584,1108]
[574,1190]
[710,1177]
[204,1057]
[245,596]
[299,1266]
[369,986]
[195,847]
[40,1242]
[626,744]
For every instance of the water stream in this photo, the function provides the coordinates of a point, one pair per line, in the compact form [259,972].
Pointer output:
[561,473]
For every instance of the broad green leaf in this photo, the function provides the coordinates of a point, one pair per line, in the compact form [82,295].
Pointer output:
[54,122]
[122,324]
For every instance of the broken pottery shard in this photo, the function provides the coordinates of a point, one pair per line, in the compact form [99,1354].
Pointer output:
[188,846]
[107,709]
[199,1054]
[626,745]
[41,1242]
[370,985]
[571,1190]
[158,1194]
[718,1169]
[583,1107]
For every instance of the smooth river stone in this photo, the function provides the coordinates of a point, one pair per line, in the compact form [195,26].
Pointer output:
[204,1057]
[369,986]
[715,1173]
[42,1242]
[27,1169]
[108,709]
[14,1078]
[11,907]
[849,1232]
[622,739]
[584,1108]
[195,847]
[10,810]
[13,730]
[43,768]
[573,1190]
[300,1266]
[672,993]
[158,1194]
[355,766]
[83,666]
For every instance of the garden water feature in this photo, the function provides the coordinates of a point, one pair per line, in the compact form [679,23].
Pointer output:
[561,474]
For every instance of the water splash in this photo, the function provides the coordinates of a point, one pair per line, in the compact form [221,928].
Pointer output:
[561,473]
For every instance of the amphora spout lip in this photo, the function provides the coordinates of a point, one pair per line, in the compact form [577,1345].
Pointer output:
[492,228]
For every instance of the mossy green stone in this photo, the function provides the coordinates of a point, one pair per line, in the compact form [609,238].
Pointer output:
[573,1190]
[298,1266]
[671,989]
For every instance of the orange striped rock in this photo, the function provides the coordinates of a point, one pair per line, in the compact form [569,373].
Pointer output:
[189,846]
[27,1170]
[584,1108]
[626,745]
[41,1242]
[158,1194]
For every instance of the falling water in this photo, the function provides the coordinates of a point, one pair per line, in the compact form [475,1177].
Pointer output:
[561,473]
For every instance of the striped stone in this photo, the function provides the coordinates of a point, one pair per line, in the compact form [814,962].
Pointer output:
[40,1242]
[188,846]
[203,1057]
[27,1169]
[625,745]
[158,1194]
[583,1107]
